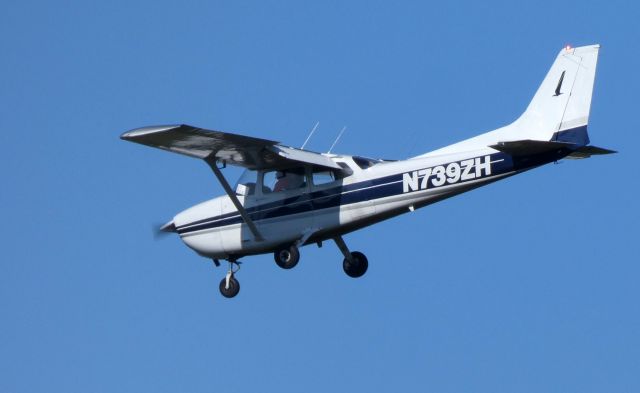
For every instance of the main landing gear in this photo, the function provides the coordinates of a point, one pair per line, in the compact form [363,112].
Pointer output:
[355,263]
[287,256]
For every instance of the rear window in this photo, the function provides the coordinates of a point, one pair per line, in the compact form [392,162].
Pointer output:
[364,162]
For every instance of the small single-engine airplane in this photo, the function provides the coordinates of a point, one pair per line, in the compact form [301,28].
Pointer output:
[289,197]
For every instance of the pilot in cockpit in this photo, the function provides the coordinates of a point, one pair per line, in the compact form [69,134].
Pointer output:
[287,180]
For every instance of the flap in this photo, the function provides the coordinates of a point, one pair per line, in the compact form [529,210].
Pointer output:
[304,156]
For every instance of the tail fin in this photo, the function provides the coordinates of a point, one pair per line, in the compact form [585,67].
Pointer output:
[560,109]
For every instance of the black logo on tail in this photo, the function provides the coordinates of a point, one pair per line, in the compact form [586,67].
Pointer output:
[559,84]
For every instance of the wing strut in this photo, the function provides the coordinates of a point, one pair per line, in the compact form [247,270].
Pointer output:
[213,163]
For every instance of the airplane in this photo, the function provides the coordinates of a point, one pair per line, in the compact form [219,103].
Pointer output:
[289,197]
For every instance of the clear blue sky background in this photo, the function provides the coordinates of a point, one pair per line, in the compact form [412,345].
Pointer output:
[527,285]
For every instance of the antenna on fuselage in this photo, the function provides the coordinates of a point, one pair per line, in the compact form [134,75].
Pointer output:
[337,139]
[311,133]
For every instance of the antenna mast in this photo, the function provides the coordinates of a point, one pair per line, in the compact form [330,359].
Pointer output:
[337,139]
[311,133]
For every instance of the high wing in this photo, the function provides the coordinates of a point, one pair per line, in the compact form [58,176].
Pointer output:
[233,149]
[216,146]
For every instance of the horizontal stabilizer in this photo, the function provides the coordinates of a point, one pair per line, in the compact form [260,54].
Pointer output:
[528,147]
[588,151]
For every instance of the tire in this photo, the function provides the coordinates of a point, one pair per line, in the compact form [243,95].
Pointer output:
[234,287]
[358,267]
[287,257]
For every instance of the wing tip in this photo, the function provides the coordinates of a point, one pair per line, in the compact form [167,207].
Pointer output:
[138,132]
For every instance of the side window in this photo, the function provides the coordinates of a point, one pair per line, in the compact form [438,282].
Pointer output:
[285,180]
[323,177]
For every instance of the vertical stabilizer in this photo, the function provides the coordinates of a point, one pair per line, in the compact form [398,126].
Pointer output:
[558,112]
[560,108]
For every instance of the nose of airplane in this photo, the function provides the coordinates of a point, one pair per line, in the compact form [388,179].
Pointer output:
[198,230]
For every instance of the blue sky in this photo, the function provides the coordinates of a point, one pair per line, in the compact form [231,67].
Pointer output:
[527,285]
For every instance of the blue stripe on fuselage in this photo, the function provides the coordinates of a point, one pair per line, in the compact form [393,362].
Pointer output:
[367,190]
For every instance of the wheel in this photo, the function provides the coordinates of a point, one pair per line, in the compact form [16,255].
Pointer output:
[287,257]
[234,287]
[358,267]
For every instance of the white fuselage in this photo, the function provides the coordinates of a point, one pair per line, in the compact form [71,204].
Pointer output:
[315,213]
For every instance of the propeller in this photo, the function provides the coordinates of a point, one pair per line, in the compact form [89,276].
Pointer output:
[160,231]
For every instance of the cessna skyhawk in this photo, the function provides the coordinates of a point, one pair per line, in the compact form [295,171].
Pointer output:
[289,197]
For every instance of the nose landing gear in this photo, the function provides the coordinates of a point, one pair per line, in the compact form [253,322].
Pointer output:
[229,286]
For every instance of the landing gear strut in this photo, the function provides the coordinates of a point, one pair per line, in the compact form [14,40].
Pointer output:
[355,263]
[229,286]
[287,256]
